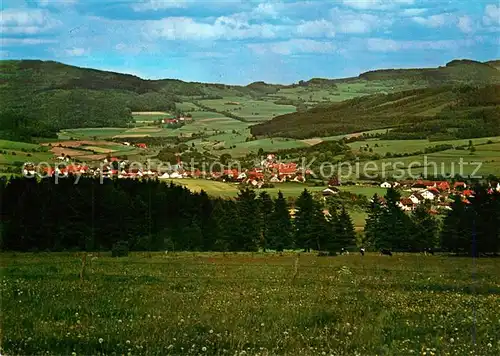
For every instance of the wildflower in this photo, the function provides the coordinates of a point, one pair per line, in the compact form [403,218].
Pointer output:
[101,340]
[452,340]
[127,342]
[262,324]
[211,331]
[203,349]
[119,320]
[73,353]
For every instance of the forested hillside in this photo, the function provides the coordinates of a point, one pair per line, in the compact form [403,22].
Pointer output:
[460,112]
[41,97]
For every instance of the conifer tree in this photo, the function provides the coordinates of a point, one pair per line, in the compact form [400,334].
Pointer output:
[456,234]
[248,232]
[347,234]
[425,228]
[266,207]
[373,229]
[280,227]
[304,221]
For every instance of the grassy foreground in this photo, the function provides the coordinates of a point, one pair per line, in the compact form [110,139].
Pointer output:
[236,304]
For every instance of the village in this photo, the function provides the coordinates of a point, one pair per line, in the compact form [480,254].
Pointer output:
[439,193]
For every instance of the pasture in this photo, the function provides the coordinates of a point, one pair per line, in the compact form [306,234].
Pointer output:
[408,146]
[251,110]
[249,304]
[148,116]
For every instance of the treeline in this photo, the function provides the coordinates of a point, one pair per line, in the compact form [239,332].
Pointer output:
[39,215]
[150,215]
[471,227]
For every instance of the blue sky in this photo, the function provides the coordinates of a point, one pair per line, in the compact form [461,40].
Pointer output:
[241,41]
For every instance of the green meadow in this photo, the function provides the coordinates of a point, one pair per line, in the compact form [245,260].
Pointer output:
[248,304]
[251,110]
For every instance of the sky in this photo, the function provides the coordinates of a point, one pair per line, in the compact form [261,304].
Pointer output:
[242,41]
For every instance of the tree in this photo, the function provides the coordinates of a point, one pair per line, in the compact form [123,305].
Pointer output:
[346,233]
[247,235]
[373,228]
[280,229]
[456,233]
[425,228]
[304,220]
[266,207]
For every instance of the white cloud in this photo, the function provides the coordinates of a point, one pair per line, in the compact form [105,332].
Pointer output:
[293,46]
[26,21]
[184,28]
[318,28]
[155,5]
[432,21]
[376,4]
[491,15]
[387,45]
[76,52]
[465,24]
[352,22]
[24,41]
[413,12]
[56,3]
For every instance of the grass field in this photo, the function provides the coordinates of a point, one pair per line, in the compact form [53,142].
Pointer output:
[248,304]
[89,133]
[252,110]
[409,146]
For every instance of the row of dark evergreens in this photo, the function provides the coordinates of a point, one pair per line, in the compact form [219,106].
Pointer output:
[39,215]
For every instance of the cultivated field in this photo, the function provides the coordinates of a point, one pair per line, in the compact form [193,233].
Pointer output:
[252,110]
[249,304]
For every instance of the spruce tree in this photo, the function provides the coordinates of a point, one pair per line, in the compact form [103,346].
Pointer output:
[347,234]
[456,234]
[304,221]
[374,234]
[280,227]
[266,207]
[395,224]
[247,236]
[425,228]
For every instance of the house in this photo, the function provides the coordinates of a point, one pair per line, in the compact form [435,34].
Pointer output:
[422,184]
[443,186]
[386,185]
[299,178]
[416,198]
[141,145]
[175,175]
[406,204]
[429,194]
[275,179]
[328,192]
[468,193]
[242,176]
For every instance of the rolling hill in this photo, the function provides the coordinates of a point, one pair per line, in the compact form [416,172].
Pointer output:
[41,97]
[457,111]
